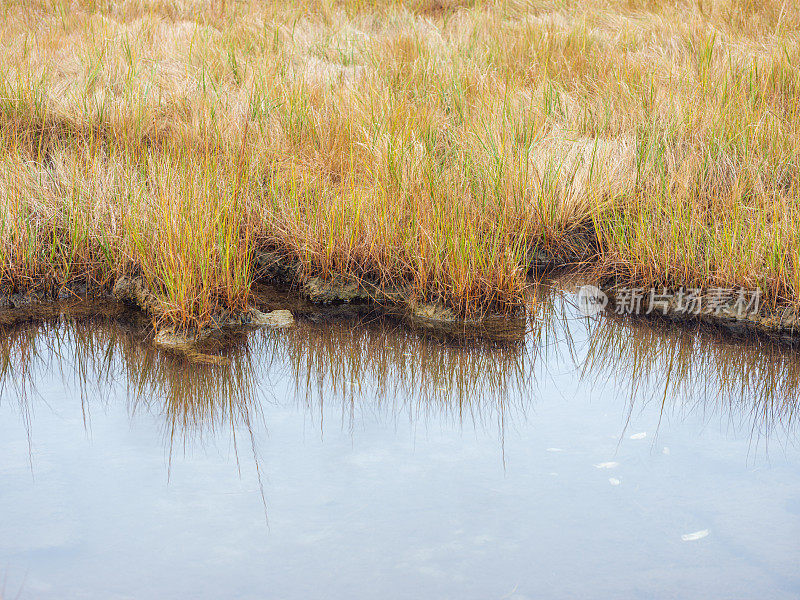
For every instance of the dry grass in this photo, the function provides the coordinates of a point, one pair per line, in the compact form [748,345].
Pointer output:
[434,144]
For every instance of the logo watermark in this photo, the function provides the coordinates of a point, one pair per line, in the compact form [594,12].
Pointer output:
[591,300]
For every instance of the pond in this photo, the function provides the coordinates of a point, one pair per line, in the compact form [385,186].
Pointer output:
[354,457]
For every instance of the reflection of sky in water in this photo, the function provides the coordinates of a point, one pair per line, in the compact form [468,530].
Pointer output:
[393,466]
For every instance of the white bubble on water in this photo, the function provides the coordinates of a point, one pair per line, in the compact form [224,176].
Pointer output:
[697,535]
[606,465]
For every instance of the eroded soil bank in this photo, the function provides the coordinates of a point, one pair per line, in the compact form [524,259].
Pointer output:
[283,295]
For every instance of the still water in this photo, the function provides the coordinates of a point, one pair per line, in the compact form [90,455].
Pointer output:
[356,458]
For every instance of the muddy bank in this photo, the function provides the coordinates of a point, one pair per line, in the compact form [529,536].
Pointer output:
[273,268]
[781,322]
[282,292]
[273,305]
[129,298]
[189,341]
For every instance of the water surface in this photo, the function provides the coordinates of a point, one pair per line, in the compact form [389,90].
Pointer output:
[355,458]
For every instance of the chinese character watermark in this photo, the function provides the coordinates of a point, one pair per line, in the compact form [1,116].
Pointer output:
[731,302]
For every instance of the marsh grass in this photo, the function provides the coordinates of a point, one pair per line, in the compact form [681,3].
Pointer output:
[431,145]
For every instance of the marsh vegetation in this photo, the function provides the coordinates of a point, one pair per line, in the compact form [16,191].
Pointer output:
[440,148]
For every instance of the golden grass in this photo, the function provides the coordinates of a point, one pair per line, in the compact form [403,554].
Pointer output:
[434,145]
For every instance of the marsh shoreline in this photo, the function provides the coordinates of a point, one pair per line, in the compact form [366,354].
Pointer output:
[282,294]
